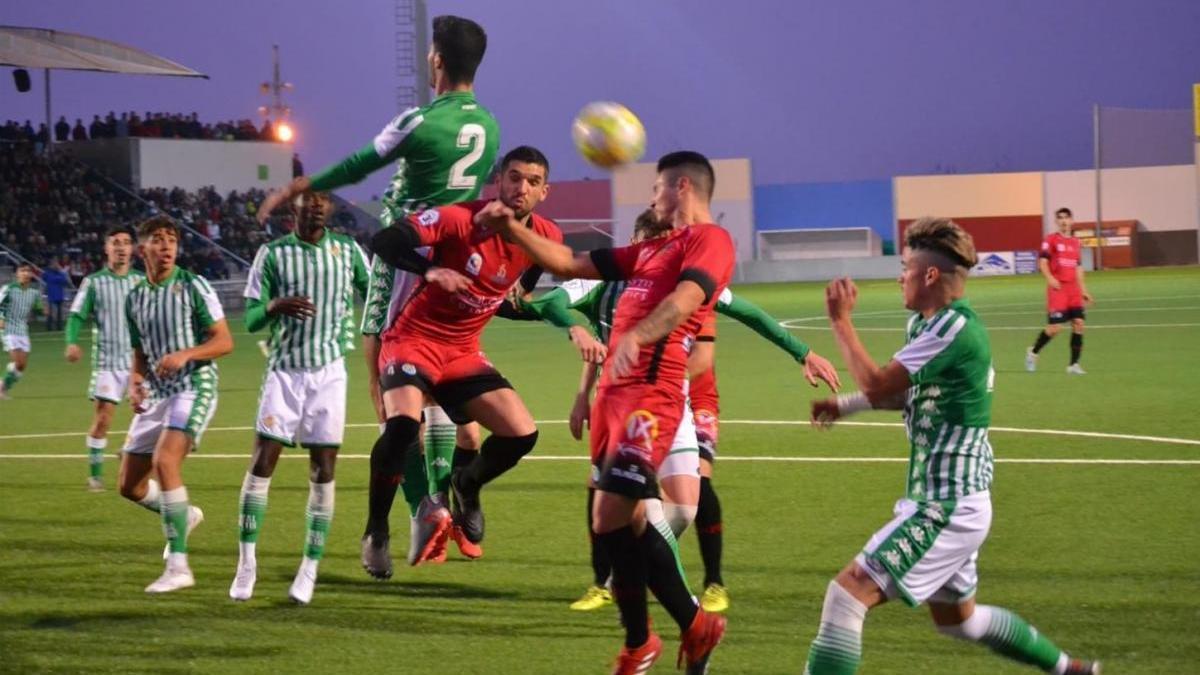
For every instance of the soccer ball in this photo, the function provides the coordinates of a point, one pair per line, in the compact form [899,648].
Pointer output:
[608,134]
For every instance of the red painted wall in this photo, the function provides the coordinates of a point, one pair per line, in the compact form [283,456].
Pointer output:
[999,233]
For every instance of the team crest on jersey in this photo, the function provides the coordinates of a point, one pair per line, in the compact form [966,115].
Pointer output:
[474,263]
[429,218]
[335,250]
[408,369]
[268,421]
[501,274]
[641,428]
[177,289]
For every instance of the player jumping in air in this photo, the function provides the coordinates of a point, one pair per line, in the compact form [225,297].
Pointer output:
[443,152]
[177,329]
[302,285]
[671,285]
[942,379]
[101,297]
[432,348]
[1066,295]
[18,301]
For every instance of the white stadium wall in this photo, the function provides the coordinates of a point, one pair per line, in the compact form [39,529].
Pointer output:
[732,205]
[1162,198]
[188,164]
[225,165]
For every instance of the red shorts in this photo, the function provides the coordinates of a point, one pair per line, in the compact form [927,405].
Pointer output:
[451,374]
[1064,303]
[632,427]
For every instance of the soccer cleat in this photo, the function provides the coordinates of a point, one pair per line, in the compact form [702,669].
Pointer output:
[634,661]
[715,598]
[1081,667]
[195,517]
[305,582]
[594,597]
[437,555]
[173,579]
[95,484]
[466,511]
[466,547]
[699,640]
[242,587]
[429,528]
[1076,369]
[1030,360]
[376,559]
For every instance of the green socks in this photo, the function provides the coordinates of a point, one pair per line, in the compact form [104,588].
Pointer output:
[415,484]
[11,376]
[252,508]
[837,649]
[175,508]
[319,515]
[96,455]
[439,453]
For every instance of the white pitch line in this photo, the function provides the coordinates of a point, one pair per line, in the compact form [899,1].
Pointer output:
[813,460]
[803,423]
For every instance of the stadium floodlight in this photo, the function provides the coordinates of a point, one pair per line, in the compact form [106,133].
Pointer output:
[284,132]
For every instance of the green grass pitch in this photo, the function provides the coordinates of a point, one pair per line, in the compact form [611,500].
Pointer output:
[1102,557]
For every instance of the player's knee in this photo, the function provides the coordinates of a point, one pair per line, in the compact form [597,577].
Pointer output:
[842,609]
[972,629]
[1053,329]
[678,517]
[467,436]
[1077,326]
[510,449]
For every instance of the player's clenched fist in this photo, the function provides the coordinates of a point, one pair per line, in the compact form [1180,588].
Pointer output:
[840,297]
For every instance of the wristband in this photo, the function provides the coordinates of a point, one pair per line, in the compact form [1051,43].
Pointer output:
[848,404]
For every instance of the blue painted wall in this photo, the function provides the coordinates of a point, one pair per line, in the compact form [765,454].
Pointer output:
[797,206]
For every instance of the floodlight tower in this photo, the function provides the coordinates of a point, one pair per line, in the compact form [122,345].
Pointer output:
[277,110]
[412,43]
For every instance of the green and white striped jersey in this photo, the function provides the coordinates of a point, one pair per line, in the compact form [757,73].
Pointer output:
[949,407]
[168,316]
[597,300]
[327,273]
[102,296]
[17,302]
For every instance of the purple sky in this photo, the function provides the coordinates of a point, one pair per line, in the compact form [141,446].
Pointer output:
[811,91]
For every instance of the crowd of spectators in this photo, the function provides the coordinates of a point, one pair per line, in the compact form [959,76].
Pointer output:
[130,124]
[54,211]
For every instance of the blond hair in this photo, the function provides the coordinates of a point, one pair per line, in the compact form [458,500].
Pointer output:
[942,236]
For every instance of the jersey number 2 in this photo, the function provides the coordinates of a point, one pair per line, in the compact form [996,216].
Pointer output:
[470,136]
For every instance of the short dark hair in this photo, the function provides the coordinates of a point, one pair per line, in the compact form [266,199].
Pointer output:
[944,237]
[1062,211]
[148,227]
[693,164]
[461,44]
[114,230]
[25,266]
[527,154]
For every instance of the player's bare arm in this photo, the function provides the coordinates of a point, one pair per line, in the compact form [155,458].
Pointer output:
[674,309]
[277,198]
[1044,266]
[882,388]
[1087,297]
[556,258]
[218,344]
[581,410]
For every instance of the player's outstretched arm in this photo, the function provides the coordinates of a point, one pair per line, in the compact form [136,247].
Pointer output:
[880,386]
[556,258]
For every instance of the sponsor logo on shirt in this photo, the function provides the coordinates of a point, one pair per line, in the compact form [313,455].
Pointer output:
[429,218]
[474,304]
[474,263]
[641,428]
[501,274]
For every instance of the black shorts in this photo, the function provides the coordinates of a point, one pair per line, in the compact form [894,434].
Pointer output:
[1070,314]
[626,477]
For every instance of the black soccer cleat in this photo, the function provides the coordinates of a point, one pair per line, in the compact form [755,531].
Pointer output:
[376,558]
[466,510]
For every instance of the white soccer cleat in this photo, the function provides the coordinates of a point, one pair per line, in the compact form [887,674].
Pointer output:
[305,582]
[1076,369]
[242,587]
[195,517]
[1030,360]
[173,579]
[95,484]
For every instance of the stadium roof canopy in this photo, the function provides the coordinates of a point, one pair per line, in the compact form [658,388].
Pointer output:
[56,50]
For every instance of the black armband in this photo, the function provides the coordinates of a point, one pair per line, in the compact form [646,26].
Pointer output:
[701,279]
[396,245]
[606,264]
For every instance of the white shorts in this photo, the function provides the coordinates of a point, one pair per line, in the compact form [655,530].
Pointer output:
[15,342]
[304,406]
[929,550]
[189,412]
[108,385]
[684,458]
